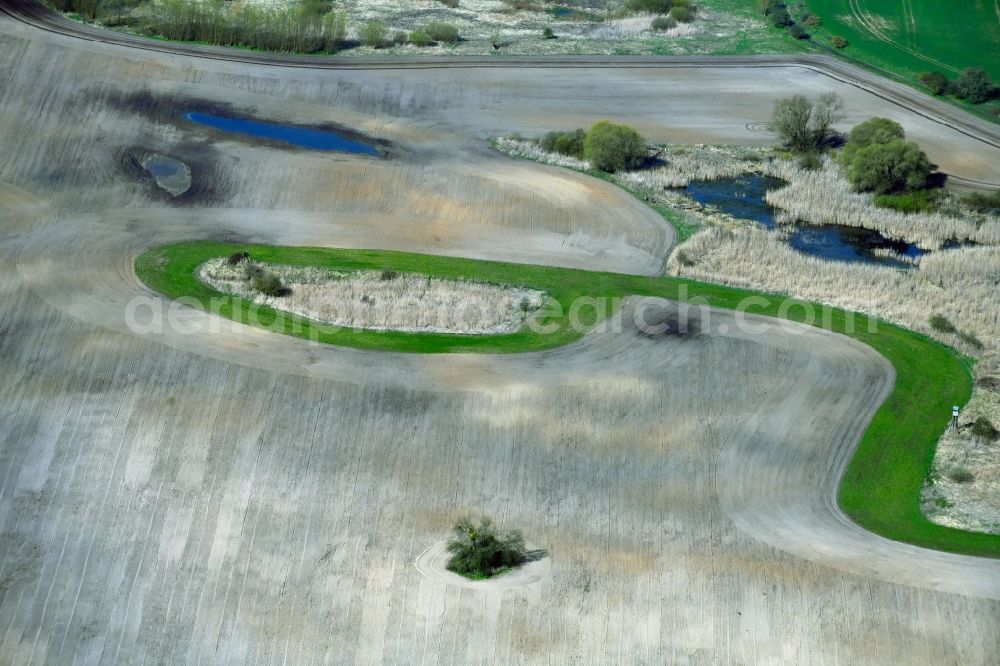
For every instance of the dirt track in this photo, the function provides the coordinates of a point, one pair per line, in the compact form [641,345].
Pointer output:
[230,498]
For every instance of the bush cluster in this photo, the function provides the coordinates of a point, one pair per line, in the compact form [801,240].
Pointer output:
[482,551]
[879,159]
[440,31]
[264,281]
[661,6]
[305,28]
[662,23]
[973,85]
[777,13]
[942,324]
[983,203]
[838,42]
[565,143]
[373,33]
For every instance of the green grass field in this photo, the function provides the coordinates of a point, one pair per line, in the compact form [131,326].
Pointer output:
[881,488]
[912,36]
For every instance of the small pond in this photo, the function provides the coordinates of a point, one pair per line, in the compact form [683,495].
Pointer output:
[743,197]
[305,137]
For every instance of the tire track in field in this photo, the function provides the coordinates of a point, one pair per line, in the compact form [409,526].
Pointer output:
[868,23]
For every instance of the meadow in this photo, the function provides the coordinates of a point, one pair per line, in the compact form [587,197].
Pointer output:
[916,35]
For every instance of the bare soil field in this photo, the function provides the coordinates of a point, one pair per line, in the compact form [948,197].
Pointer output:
[227,495]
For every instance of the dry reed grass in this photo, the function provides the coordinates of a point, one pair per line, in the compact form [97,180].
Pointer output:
[385,301]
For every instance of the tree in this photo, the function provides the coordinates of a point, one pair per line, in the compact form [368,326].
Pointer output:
[876,130]
[780,17]
[804,126]
[936,82]
[974,85]
[481,551]
[889,167]
[373,33]
[611,147]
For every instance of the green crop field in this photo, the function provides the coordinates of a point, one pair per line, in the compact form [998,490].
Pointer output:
[912,36]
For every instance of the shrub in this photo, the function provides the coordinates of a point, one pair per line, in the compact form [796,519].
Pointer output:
[942,324]
[921,201]
[768,6]
[611,147]
[974,85]
[810,161]
[811,20]
[936,82]
[798,32]
[420,38]
[970,339]
[652,6]
[269,284]
[564,143]
[449,3]
[547,33]
[805,126]
[983,429]
[373,33]
[681,14]
[236,257]
[684,259]
[838,42]
[661,23]
[440,31]
[482,551]
[780,18]
[959,474]
[388,274]
[398,37]
[983,203]
[889,167]
[876,130]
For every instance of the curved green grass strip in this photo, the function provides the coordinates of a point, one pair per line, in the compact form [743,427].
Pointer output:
[881,487]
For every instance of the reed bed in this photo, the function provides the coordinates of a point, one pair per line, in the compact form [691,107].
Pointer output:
[824,196]
[384,301]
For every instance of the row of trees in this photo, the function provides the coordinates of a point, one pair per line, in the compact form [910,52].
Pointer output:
[305,28]
[777,13]
[606,145]
[973,84]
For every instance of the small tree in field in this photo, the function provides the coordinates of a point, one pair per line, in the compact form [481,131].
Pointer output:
[481,551]
[611,147]
[936,82]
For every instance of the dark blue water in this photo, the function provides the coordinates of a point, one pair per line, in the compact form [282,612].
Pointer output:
[743,197]
[315,139]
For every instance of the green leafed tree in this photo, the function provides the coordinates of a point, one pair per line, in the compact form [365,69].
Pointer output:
[876,130]
[481,551]
[974,85]
[611,147]
[889,167]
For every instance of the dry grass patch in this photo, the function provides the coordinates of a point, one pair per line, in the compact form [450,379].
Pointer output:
[382,300]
